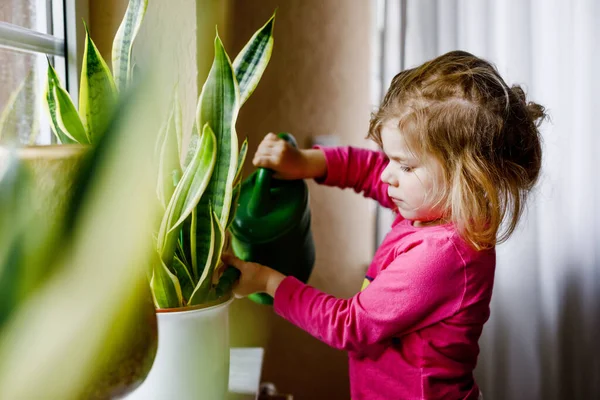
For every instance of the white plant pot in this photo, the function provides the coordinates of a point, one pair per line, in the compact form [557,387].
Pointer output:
[192,362]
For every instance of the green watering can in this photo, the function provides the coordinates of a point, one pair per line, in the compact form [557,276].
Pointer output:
[272,225]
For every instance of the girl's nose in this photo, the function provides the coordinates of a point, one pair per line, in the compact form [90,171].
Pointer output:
[388,177]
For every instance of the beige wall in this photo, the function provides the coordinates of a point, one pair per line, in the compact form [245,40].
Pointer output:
[317,83]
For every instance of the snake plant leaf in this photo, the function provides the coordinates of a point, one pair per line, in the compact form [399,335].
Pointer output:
[67,118]
[240,162]
[184,277]
[13,182]
[219,106]
[252,60]
[192,146]
[200,174]
[15,129]
[168,157]
[165,287]
[237,183]
[187,193]
[237,190]
[180,253]
[50,105]
[193,245]
[123,43]
[216,257]
[178,121]
[97,93]
[214,249]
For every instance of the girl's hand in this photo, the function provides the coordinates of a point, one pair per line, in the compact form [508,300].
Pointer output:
[254,277]
[287,161]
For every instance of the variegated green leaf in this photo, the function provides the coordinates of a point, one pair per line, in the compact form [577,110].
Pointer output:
[193,245]
[67,118]
[168,158]
[181,253]
[206,248]
[192,146]
[184,277]
[97,92]
[178,119]
[213,250]
[123,43]
[14,128]
[165,287]
[234,203]
[187,193]
[218,107]
[240,163]
[199,178]
[252,61]
[237,183]
[50,105]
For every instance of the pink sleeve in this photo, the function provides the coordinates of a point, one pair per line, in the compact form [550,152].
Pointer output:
[359,169]
[420,287]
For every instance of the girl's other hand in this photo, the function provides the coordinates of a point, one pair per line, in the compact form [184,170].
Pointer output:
[254,277]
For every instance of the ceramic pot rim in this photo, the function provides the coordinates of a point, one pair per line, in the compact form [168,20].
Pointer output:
[222,302]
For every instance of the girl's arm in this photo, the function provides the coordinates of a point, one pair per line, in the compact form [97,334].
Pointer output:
[344,167]
[420,287]
[359,169]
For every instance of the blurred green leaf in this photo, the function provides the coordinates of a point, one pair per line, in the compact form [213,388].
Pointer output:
[87,309]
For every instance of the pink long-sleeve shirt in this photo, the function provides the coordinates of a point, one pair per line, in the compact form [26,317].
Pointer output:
[412,331]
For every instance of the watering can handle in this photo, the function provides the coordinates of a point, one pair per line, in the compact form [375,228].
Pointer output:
[260,201]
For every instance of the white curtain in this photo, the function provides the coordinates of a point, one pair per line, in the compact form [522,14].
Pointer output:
[543,337]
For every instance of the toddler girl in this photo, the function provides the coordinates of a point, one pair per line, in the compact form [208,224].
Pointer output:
[460,152]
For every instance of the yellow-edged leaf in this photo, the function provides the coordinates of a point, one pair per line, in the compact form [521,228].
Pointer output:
[252,60]
[166,289]
[187,193]
[123,43]
[97,92]
[67,117]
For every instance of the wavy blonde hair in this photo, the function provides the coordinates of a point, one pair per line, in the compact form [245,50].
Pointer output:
[457,110]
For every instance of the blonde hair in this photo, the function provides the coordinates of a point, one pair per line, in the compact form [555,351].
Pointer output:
[457,109]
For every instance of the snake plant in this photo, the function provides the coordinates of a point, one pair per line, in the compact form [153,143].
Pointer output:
[98,88]
[199,209]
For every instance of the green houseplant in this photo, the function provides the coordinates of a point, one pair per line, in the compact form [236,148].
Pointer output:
[199,194]
[99,88]
[200,208]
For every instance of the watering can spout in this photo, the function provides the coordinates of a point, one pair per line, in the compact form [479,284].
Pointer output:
[260,202]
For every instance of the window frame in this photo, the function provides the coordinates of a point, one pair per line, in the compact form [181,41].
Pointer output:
[64,44]
[75,11]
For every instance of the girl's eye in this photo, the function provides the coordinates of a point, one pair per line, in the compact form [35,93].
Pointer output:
[405,168]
